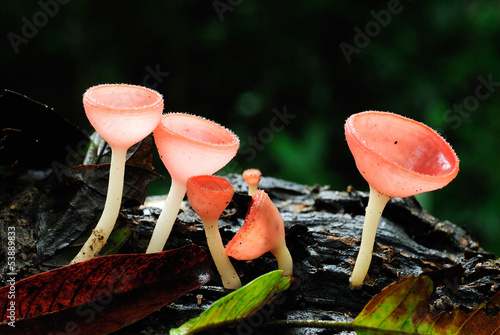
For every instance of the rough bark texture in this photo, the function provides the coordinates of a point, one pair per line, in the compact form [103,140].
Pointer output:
[323,234]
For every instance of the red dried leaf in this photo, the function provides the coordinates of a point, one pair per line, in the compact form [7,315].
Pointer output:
[104,294]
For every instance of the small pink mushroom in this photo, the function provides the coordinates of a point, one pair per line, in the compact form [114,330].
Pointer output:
[189,145]
[252,177]
[123,115]
[263,231]
[398,157]
[209,196]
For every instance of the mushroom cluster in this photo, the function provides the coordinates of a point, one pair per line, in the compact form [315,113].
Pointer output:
[397,156]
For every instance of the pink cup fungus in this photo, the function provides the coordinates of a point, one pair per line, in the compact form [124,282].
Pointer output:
[123,115]
[209,196]
[398,157]
[263,231]
[252,177]
[189,145]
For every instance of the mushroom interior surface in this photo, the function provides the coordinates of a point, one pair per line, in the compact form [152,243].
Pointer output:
[209,195]
[123,114]
[398,156]
[190,145]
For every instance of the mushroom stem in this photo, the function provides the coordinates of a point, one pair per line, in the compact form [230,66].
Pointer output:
[230,278]
[167,217]
[284,258]
[374,209]
[252,189]
[101,232]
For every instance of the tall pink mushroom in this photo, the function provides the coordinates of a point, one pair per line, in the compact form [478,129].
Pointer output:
[123,115]
[189,145]
[263,231]
[209,196]
[398,157]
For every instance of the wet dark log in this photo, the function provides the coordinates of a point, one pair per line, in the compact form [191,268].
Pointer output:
[323,234]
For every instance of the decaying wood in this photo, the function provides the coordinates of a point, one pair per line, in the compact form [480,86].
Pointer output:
[323,234]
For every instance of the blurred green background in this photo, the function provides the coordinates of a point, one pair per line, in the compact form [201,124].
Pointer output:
[284,75]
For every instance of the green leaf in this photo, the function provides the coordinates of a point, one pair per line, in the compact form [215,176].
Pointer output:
[116,240]
[403,308]
[238,304]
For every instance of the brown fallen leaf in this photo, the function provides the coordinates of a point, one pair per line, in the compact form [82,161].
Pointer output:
[403,308]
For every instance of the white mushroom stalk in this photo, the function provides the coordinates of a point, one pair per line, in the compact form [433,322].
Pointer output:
[123,115]
[373,213]
[189,145]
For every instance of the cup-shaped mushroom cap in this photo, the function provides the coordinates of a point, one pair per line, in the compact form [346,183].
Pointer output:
[123,114]
[398,156]
[209,195]
[190,145]
[262,231]
[252,176]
